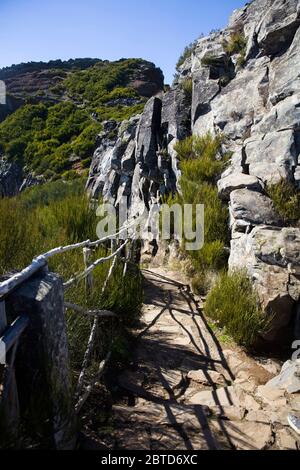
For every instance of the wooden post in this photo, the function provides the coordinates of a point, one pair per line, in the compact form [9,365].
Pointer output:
[89,282]
[42,361]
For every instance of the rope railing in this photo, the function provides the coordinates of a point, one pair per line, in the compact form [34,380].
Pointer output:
[82,391]
[84,386]
[90,313]
[94,265]
[41,261]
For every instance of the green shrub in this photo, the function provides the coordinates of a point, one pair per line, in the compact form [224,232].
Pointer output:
[201,163]
[234,304]
[96,84]
[286,199]
[45,136]
[187,86]
[236,44]
[203,281]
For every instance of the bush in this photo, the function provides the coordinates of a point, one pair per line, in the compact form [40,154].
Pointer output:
[202,162]
[233,303]
[286,199]
[187,86]
[45,136]
[237,43]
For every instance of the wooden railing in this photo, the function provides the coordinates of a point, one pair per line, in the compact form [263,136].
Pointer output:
[34,300]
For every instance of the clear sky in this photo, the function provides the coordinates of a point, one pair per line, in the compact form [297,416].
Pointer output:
[157,30]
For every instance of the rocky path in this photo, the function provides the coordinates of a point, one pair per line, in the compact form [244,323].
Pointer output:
[183,391]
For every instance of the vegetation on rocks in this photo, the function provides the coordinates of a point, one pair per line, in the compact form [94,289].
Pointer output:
[44,138]
[286,199]
[201,163]
[236,44]
[53,136]
[232,302]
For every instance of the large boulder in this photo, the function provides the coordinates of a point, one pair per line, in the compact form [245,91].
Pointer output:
[235,181]
[271,256]
[278,26]
[251,208]
[272,157]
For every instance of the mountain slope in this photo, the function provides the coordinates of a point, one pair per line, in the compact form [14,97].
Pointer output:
[54,113]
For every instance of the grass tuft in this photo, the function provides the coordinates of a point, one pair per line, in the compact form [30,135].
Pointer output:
[232,302]
[286,199]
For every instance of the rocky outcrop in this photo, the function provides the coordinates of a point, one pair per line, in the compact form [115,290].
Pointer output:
[11,177]
[43,81]
[271,257]
[251,95]
[258,111]
[140,161]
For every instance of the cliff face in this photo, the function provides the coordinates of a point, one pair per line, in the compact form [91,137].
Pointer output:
[245,85]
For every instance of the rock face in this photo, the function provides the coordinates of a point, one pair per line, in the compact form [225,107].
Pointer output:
[11,177]
[252,96]
[140,161]
[258,111]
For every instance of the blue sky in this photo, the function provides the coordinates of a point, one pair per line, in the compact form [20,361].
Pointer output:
[157,30]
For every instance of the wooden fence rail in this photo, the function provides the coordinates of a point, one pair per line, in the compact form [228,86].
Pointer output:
[32,312]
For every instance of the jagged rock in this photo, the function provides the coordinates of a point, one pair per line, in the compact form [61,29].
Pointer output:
[175,116]
[238,181]
[11,177]
[252,208]
[273,156]
[284,115]
[271,255]
[283,74]
[128,159]
[288,379]
[175,124]
[286,440]
[204,91]
[147,134]
[109,126]
[232,413]
[278,27]
[274,398]
[100,169]
[244,436]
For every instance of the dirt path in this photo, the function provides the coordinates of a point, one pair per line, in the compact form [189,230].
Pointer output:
[183,391]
